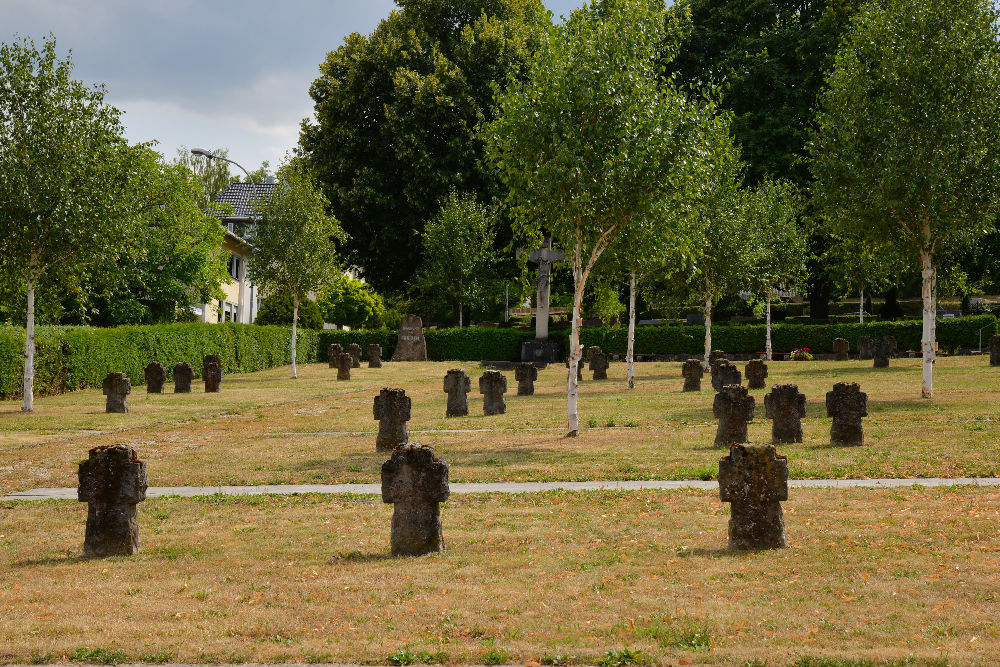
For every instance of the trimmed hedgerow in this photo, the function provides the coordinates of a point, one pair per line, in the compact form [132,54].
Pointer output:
[475,344]
[363,337]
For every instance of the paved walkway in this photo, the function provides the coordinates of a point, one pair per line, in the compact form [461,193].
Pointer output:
[510,487]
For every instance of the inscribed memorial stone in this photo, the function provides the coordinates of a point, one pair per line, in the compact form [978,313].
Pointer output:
[756,371]
[525,374]
[733,407]
[847,404]
[111,481]
[374,355]
[881,352]
[786,407]
[345,363]
[753,479]
[841,349]
[210,358]
[599,364]
[493,385]
[183,376]
[693,372]
[866,347]
[213,377]
[117,387]
[411,345]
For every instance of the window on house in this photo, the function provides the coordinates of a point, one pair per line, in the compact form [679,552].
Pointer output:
[234,267]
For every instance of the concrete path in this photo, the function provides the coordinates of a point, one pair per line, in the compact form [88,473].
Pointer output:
[510,487]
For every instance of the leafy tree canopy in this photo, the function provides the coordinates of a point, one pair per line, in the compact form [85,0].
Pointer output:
[278,309]
[352,303]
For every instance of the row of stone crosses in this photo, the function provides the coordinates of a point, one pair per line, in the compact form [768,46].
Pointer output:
[117,386]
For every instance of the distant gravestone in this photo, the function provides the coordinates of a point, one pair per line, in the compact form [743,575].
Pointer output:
[415,482]
[847,404]
[525,374]
[733,407]
[724,373]
[392,410]
[753,479]
[715,356]
[345,363]
[374,355]
[213,377]
[457,384]
[112,481]
[756,371]
[355,351]
[995,350]
[893,346]
[881,352]
[693,372]
[210,358]
[866,347]
[410,345]
[156,375]
[334,351]
[183,376]
[841,349]
[493,385]
[599,364]
[591,351]
[785,407]
[117,387]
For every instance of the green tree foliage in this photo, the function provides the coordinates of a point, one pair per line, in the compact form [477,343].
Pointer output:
[458,255]
[352,303]
[863,265]
[279,308]
[66,177]
[396,113]
[295,241]
[591,140]
[212,175]
[907,147]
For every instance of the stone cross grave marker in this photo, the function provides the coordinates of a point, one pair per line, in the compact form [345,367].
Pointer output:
[392,410]
[866,347]
[183,376]
[156,375]
[724,373]
[525,374]
[881,352]
[117,387]
[112,481]
[410,345]
[334,351]
[457,384]
[841,349]
[355,351]
[693,372]
[714,357]
[753,479]
[893,347]
[544,257]
[374,355]
[847,404]
[213,377]
[756,372]
[209,358]
[599,364]
[415,482]
[733,407]
[345,363]
[785,407]
[493,385]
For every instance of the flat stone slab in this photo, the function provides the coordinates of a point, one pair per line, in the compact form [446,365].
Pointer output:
[514,487]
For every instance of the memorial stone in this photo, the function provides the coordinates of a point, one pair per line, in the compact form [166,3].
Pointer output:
[457,384]
[355,351]
[112,481]
[599,364]
[345,362]
[415,482]
[733,407]
[374,355]
[333,352]
[753,479]
[785,407]
[881,352]
[756,371]
[995,350]
[866,347]
[591,351]
[714,357]
[117,387]
[841,349]
[693,372]
[847,404]
[893,347]
[209,358]
[183,376]
[156,375]
[392,410]
[410,345]
[525,374]
[213,377]
[493,385]
[724,373]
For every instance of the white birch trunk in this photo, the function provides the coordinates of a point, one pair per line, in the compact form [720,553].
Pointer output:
[708,327]
[629,356]
[295,332]
[574,344]
[861,308]
[459,315]
[767,339]
[28,405]
[928,292]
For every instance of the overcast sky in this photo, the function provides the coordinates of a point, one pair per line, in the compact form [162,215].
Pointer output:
[208,73]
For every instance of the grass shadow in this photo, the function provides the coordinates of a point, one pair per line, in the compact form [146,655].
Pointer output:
[358,557]
[52,560]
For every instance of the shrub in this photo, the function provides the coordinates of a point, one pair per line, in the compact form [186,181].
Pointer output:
[277,309]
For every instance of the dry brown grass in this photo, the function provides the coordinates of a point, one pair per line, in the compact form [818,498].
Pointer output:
[267,428]
[879,575]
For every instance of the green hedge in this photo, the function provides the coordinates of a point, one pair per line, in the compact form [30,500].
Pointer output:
[363,337]
[69,358]
[475,344]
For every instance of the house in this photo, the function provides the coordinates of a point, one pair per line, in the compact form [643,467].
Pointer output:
[242,299]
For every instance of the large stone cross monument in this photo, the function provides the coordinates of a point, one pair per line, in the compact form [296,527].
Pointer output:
[542,349]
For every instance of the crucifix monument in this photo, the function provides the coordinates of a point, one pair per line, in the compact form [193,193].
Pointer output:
[542,349]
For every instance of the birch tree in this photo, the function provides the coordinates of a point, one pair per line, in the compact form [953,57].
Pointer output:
[294,244]
[584,141]
[65,169]
[907,145]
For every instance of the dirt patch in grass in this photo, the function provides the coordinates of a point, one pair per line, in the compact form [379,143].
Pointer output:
[267,428]
[557,577]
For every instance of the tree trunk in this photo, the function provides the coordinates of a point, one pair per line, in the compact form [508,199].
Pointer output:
[459,314]
[629,354]
[861,308]
[295,331]
[28,404]
[928,292]
[767,339]
[573,389]
[708,327]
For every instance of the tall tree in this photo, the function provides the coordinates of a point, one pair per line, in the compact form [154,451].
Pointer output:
[396,113]
[587,143]
[294,244]
[65,177]
[213,175]
[907,146]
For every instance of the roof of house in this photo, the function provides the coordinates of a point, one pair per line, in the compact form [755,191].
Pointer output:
[238,195]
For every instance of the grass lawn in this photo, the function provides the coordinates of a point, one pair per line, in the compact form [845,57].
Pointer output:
[267,428]
[905,577]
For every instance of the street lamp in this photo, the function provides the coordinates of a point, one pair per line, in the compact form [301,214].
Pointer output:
[212,156]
